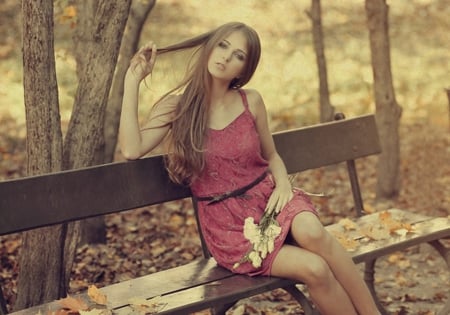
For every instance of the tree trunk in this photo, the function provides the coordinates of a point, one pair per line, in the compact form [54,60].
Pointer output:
[99,32]
[97,40]
[448,96]
[138,15]
[94,230]
[48,253]
[388,112]
[42,277]
[326,109]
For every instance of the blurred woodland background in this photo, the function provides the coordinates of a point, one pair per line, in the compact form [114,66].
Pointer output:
[287,78]
[287,75]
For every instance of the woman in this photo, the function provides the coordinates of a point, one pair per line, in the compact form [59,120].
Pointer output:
[220,145]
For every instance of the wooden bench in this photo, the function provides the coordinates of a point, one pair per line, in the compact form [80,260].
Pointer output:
[201,284]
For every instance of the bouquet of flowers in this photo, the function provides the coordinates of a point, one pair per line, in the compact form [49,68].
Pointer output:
[262,237]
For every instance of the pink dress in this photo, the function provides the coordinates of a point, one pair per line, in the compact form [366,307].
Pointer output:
[233,160]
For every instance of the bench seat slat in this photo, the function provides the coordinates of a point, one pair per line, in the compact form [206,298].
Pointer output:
[435,229]
[202,284]
[426,229]
[199,272]
[209,295]
[188,288]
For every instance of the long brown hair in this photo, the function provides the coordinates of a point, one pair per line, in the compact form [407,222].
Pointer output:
[185,159]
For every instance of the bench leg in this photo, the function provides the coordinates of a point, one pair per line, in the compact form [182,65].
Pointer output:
[369,272]
[3,309]
[301,298]
[445,253]
[442,250]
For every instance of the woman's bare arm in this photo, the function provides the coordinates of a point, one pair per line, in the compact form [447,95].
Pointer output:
[135,141]
[282,193]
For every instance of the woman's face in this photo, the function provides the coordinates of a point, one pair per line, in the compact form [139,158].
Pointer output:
[228,59]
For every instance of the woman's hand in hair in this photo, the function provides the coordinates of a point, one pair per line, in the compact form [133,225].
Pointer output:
[141,65]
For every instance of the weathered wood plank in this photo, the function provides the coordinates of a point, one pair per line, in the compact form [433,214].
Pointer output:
[200,272]
[328,143]
[425,229]
[72,195]
[192,287]
[212,294]
[67,196]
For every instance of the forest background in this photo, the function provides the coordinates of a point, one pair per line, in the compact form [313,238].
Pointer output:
[287,79]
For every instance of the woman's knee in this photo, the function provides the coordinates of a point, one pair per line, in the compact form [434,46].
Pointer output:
[309,232]
[318,273]
[302,265]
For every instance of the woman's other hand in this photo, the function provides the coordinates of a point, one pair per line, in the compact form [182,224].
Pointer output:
[280,196]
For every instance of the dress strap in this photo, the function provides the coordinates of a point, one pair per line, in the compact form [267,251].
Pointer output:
[244,98]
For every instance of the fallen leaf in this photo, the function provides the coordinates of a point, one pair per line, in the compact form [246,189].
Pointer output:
[394,225]
[144,306]
[96,311]
[58,312]
[348,243]
[348,224]
[73,304]
[376,232]
[96,296]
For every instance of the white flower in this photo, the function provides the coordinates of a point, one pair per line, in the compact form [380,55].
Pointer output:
[262,237]
[271,246]
[256,260]
[251,230]
[262,248]
[273,230]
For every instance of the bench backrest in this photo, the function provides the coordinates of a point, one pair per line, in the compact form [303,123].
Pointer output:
[44,200]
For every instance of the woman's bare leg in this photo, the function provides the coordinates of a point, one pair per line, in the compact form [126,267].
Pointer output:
[308,231]
[293,262]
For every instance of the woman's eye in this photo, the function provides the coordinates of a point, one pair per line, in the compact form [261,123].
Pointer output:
[223,45]
[239,56]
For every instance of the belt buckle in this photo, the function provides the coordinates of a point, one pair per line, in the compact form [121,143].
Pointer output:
[220,197]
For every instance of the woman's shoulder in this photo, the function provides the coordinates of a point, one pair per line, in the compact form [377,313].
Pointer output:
[252,94]
[168,103]
[255,100]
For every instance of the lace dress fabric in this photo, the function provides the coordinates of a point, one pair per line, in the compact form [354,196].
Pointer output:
[233,160]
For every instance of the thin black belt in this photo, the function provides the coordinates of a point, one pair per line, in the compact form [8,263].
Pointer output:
[234,193]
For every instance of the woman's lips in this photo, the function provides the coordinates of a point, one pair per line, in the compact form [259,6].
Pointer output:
[220,65]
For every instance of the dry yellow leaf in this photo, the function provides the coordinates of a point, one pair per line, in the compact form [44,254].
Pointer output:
[376,232]
[73,304]
[369,209]
[70,11]
[384,215]
[96,296]
[348,243]
[394,225]
[60,311]
[348,224]
[394,258]
[97,311]
[144,306]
